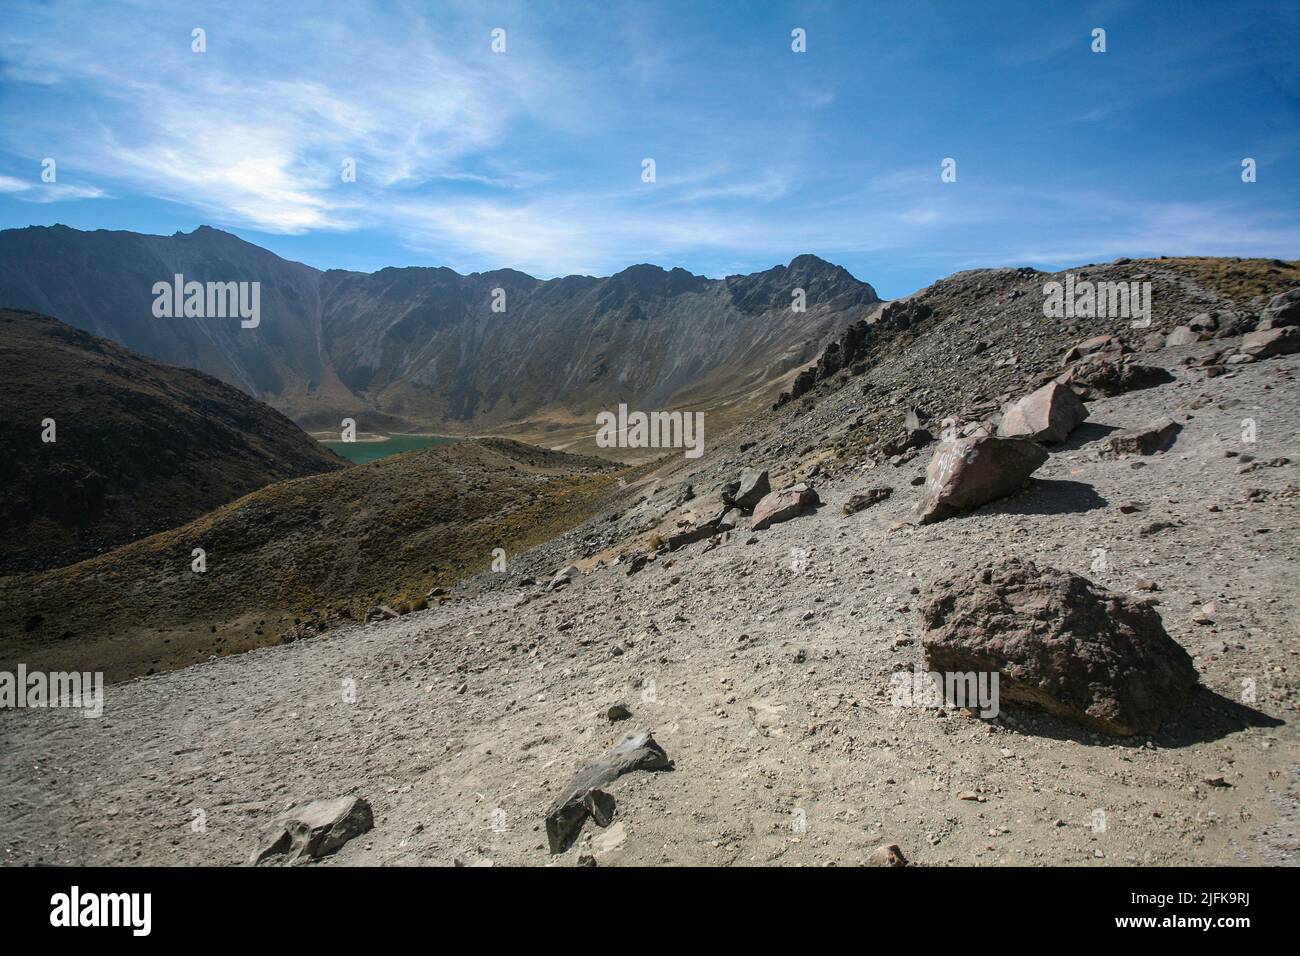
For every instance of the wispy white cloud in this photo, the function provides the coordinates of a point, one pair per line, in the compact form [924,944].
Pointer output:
[40,191]
[531,159]
[254,131]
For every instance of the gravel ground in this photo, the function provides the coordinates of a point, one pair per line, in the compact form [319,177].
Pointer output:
[768,686]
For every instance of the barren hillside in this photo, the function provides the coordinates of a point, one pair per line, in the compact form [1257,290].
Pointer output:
[763,660]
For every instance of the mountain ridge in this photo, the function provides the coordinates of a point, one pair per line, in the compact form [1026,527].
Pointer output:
[425,347]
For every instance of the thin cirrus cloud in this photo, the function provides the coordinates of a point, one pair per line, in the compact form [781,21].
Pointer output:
[252,137]
[35,190]
[532,159]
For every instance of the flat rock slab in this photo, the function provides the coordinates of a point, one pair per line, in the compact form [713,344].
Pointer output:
[1097,344]
[582,797]
[783,505]
[1060,643]
[562,577]
[682,538]
[968,472]
[1147,440]
[313,830]
[865,499]
[907,439]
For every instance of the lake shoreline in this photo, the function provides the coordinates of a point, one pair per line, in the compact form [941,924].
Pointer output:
[370,446]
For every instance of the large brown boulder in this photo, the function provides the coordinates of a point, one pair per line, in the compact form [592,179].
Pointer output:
[1270,342]
[1048,414]
[783,505]
[1060,643]
[968,472]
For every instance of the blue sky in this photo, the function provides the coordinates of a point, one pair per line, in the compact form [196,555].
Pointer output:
[532,158]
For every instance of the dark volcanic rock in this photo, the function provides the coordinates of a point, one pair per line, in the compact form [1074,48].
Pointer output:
[748,491]
[904,314]
[317,829]
[836,357]
[1144,441]
[1282,310]
[906,439]
[969,472]
[1060,643]
[691,535]
[582,796]
[865,499]
[1105,344]
[1099,377]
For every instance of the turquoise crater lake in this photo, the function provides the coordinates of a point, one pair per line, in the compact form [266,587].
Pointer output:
[361,452]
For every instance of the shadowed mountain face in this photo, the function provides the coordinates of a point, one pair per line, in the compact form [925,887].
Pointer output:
[138,446]
[425,347]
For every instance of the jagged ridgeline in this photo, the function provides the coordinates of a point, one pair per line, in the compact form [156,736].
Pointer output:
[412,349]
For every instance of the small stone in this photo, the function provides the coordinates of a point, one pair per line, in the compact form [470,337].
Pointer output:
[887,854]
[619,711]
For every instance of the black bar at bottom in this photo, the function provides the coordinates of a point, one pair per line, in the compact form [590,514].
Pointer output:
[337,904]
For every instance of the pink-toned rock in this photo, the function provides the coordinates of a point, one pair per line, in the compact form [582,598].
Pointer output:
[783,505]
[1048,414]
[969,472]
[1271,342]
[1107,344]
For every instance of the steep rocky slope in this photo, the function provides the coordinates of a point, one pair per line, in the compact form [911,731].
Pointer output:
[769,687]
[138,446]
[765,660]
[424,347]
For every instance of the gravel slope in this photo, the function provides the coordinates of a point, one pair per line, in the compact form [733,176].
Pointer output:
[771,692]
